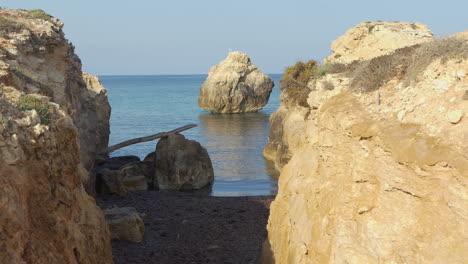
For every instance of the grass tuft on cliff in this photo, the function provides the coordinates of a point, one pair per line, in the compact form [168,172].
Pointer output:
[444,49]
[30,102]
[406,64]
[39,14]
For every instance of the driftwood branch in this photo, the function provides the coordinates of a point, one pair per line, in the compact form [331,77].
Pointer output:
[144,139]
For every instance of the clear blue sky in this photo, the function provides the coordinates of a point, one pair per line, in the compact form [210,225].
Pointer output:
[184,37]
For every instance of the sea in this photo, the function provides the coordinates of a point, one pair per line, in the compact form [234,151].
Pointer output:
[144,105]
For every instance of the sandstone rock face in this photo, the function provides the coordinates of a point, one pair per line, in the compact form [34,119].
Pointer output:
[368,184]
[35,57]
[181,164]
[373,39]
[97,94]
[125,223]
[45,214]
[235,86]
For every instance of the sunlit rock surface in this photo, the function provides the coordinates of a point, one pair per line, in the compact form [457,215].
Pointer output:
[235,86]
[374,177]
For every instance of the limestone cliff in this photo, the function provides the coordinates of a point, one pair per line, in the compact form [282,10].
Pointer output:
[35,57]
[376,175]
[235,86]
[45,214]
[371,39]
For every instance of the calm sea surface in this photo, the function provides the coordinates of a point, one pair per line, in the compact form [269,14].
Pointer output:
[146,105]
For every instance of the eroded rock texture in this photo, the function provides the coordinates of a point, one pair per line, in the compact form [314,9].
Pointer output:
[378,176]
[35,57]
[235,86]
[372,39]
[45,214]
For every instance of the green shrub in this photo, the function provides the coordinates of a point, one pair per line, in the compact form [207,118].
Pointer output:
[39,14]
[370,75]
[295,79]
[29,102]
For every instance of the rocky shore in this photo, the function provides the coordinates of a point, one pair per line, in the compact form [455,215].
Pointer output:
[54,125]
[371,145]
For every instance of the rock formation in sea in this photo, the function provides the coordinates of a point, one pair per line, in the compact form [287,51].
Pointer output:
[36,58]
[48,113]
[374,168]
[235,85]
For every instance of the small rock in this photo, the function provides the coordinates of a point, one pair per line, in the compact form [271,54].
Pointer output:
[401,115]
[455,116]
[110,181]
[465,95]
[460,74]
[134,179]
[125,223]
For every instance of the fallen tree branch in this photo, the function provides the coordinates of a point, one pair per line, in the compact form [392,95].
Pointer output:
[144,139]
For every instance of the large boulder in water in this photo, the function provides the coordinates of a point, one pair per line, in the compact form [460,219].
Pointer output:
[181,164]
[235,86]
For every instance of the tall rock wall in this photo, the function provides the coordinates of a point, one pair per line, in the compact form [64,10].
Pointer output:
[45,214]
[35,57]
[380,176]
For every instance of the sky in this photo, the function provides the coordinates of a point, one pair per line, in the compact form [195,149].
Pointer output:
[188,37]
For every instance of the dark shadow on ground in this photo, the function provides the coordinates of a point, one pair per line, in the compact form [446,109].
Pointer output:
[189,228]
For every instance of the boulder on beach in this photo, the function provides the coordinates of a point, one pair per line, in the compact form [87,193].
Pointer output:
[181,164]
[119,175]
[235,86]
[125,223]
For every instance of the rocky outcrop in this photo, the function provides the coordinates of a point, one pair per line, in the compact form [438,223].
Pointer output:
[36,58]
[372,39]
[181,164]
[45,214]
[97,95]
[376,176]
[125,223]
[235,86]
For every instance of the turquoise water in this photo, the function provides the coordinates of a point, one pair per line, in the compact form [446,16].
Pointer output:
[146,105]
